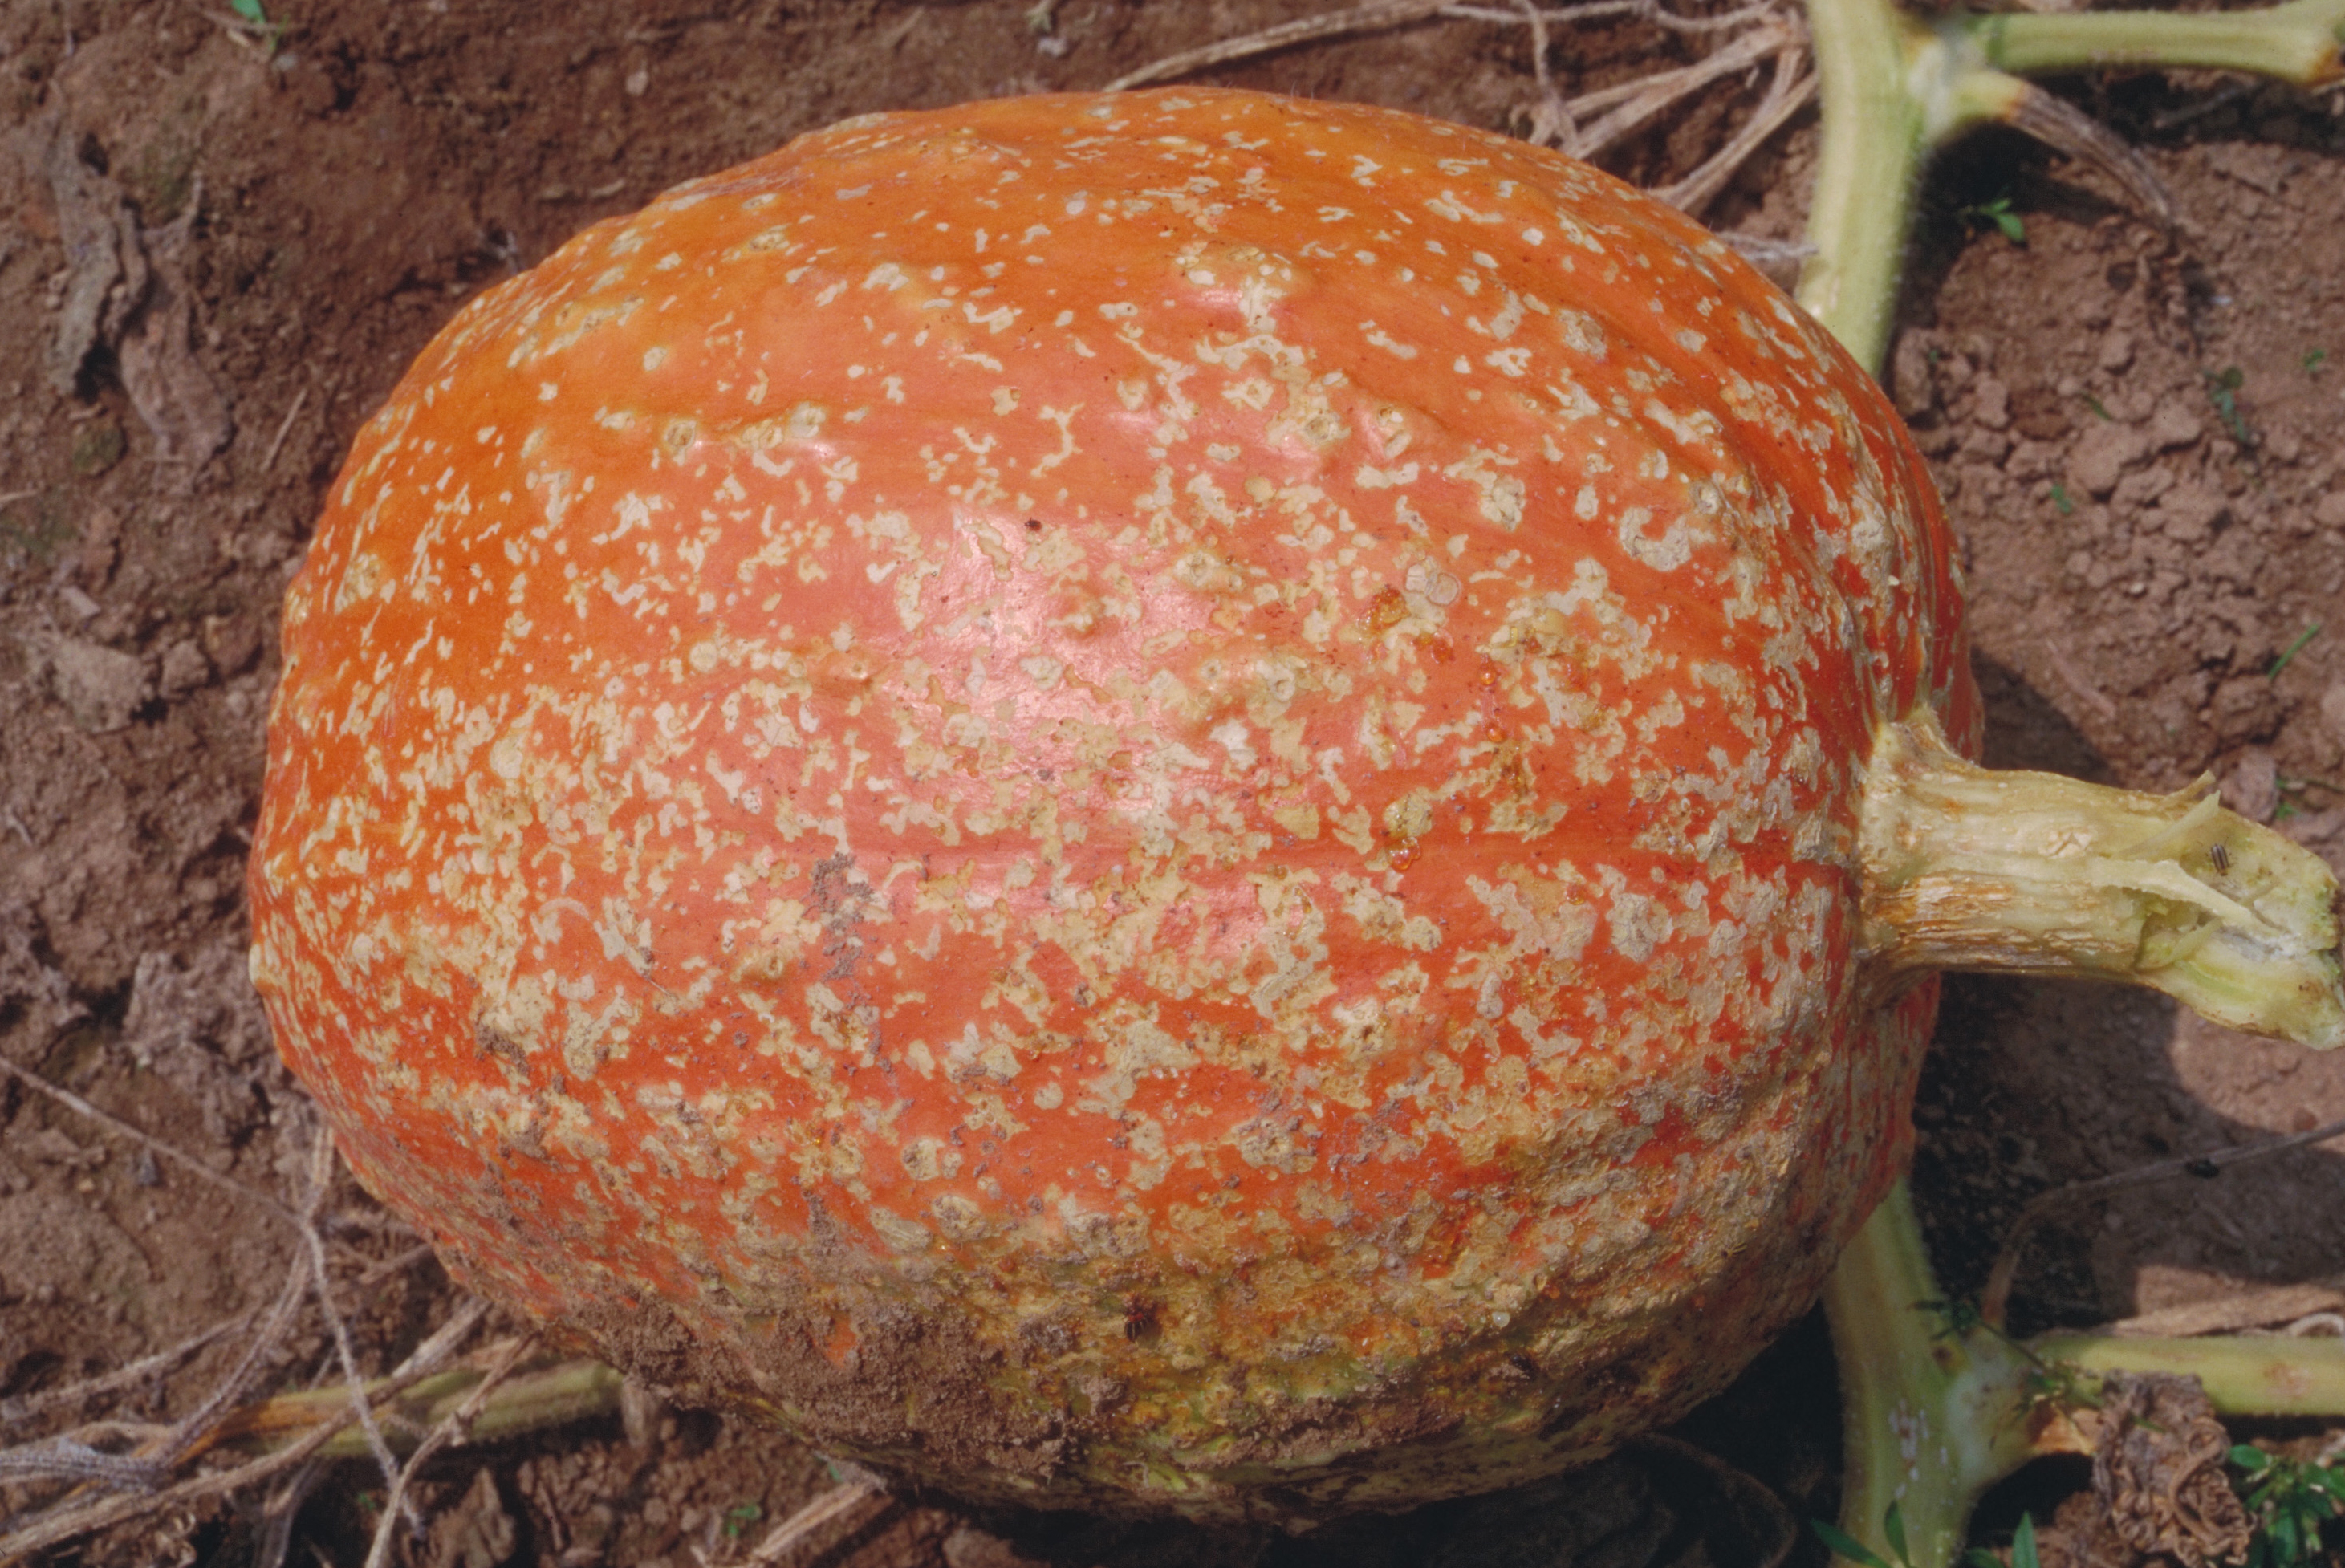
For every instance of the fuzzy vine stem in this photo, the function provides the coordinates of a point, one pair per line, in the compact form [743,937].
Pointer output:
[1894,89]
[1867,162]
[2298,42]
[1938,1406]
[1930,1414]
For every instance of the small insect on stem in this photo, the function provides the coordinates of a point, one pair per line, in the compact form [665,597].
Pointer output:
[2221,858]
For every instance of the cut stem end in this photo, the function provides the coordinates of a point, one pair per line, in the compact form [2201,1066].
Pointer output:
[2029,872]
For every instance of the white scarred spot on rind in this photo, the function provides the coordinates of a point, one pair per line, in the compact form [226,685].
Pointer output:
[1034,769]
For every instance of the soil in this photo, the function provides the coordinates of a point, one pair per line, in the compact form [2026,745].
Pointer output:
[2137,428]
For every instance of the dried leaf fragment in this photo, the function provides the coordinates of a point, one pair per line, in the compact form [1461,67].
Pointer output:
[2157,1474]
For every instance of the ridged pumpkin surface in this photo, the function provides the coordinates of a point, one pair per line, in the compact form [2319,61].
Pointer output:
[1142,803]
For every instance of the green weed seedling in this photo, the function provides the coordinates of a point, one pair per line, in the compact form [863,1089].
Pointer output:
[1899,1555]
[2023,1549]
[2290,1500]
[1998,213]
[1892,1530]
[2223,390]
[250,12]
[2293,649]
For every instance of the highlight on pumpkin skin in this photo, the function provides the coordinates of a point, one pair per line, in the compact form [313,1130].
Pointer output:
[1969,868]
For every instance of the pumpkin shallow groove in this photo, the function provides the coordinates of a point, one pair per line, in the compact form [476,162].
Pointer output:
[1148,803]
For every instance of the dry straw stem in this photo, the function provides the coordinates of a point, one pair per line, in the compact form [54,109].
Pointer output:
[1636,103]
[1768,31]
[529,1398]
[454,1427]
[1375,17]
[157,1450]
[841,1501]
[82,1107]
[321,1172]
[294,1431]
[16,1412]
[69,1457]
[1792,90]
[53,1530]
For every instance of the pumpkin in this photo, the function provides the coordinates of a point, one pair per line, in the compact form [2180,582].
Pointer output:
[1152,802]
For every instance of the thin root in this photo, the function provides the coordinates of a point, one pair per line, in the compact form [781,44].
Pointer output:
[1374,17]
[82,1107]
[1996,1298]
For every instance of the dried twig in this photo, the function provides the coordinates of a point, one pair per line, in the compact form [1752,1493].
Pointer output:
[838,1502]
[1996,1297]
[1642,10]
[188,1433]
[26,1407]
[65,1523]
[275,1537]
[1549,127]
[1767,29]
[70,1457]
[64,1459]
[375,1221]
[16,1412]
[322,1169]
[54,1460]
[80,1106]
[434,1352]
[419,1253]
[1787,95]
[1371,17]
[193,1431]
[284,428]
[53,1529]
[1552,123]
[1642,99]
[452,1430]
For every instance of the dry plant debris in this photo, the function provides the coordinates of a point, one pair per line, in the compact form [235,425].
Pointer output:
[128,293]
[53,1485]
[1766,34]
[2160,1495]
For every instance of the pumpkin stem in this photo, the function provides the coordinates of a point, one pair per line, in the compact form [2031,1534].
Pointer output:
[2029,872]
[1937,1404]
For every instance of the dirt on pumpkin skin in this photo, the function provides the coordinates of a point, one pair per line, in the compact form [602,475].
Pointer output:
[2138,433]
